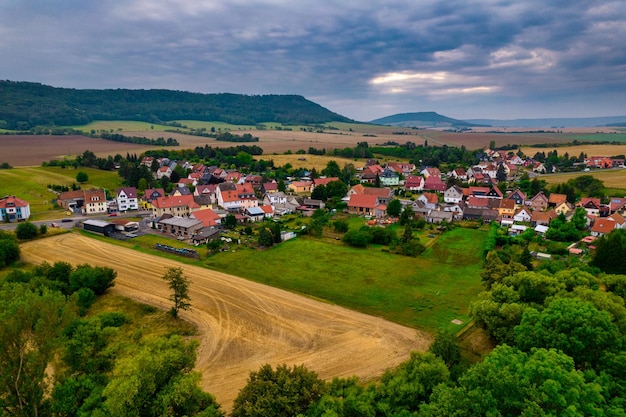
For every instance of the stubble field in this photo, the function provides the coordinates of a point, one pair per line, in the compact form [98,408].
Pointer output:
[244,325]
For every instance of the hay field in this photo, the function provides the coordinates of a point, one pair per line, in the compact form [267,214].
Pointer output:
[590,150]
[612,178]
[244,325]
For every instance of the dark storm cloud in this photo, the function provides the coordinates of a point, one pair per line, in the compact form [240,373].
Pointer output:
[364,59]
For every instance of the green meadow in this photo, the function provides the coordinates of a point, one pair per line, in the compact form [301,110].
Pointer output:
[31,184]
[426,292]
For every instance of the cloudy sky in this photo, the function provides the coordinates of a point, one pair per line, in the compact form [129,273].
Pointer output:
[363,59]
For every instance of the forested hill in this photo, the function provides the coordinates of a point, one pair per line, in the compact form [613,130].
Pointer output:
[24,105]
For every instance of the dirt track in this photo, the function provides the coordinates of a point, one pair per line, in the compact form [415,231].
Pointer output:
[244,325]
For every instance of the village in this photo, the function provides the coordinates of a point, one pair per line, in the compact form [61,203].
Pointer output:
[196,209]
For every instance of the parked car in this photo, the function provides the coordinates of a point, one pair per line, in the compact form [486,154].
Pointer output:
[112,214]
[67,220]
[54,224]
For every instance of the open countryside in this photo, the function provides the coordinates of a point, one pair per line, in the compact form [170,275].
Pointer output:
[244,325]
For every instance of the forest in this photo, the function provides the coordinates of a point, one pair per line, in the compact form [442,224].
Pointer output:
[26,105]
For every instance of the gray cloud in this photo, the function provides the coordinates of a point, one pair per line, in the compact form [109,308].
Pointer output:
[363,59]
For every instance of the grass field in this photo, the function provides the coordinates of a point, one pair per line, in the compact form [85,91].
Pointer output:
[426,292]
[31,184]
[120,125]
[614,179]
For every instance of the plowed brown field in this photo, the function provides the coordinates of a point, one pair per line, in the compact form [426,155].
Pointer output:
[244,325]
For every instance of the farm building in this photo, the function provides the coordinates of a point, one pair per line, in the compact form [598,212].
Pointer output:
[99,226]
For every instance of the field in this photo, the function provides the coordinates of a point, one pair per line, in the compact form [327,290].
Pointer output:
[612,178]
[243,325]
[589,150]
[31,184]
[426,292]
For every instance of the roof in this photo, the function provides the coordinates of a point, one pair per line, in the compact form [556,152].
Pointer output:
[324,181]
[13,201]
[557,198]
[207,216]
[131,192]
[477,201]
[431,198]
[184,222]
[255,211]
[97,223]
[603,225]
[363,200]
[175,201]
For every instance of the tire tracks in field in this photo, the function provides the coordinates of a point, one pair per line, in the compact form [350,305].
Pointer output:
[243,325]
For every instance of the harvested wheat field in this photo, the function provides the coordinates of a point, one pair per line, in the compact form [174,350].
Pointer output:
[243,325]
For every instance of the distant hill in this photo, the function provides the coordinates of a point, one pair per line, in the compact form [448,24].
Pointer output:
[422,119]
[24,105]
[555,122]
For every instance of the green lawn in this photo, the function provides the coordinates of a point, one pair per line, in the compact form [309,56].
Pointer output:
[426,292]
[31,184]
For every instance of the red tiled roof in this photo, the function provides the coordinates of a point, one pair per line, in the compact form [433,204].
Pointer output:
[175,201]
[363,200]
[208,217]
[12,201]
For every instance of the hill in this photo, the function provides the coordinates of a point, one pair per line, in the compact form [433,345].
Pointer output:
[555,122]
[25,105]
[422,119]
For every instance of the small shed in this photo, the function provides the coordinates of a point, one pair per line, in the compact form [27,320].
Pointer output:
[99,226]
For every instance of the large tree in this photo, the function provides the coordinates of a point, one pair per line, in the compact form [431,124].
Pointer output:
[610,252]
[179,285]
[282,392]
[31,323]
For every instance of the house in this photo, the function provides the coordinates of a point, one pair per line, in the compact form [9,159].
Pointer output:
[164,171]
[180,190]
[430,200]
[494,192]
[13,209]
[389,177]
[204,235]
[269,187]
[523,215]
[322,181]
[434,183]
[208,217]
[539,202]
[459,174]
[363,204]
[255,180]
[239,198]
[438,216]
[282,203]
[313,204]
[174,205]
[478,191]
[564,208]
[431,172]
[556,199]
[84,201]
[299,187]
[401,167]
[518,196]
[485,214]
[230,176]
[603,226]
[181,227]
[542,218]
[506,209]
[384,195]
[591,205]
[127,199]
[453,194]
[477,202]
[414,183]
[149,195]
[255,214]
[617,205]
[205,193]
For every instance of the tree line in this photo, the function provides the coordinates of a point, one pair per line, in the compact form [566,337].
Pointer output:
[26,105]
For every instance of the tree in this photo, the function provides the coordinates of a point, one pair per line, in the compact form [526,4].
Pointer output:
[179,285]
[407,216]
[266,239]
[158,381]
[282,392]
[446,347]
[9,249]
[501,173]
[610,252]
[43,229]
[82,177]
[31,323]
[26,230]
[394,208]
[332,169]
[230,221]
[573,326]
[96,278]
[513,383]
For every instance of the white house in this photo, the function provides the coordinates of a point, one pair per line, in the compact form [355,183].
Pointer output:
[13,209]
[127,199]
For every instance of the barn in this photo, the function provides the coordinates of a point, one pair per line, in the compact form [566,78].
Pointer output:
[99,226]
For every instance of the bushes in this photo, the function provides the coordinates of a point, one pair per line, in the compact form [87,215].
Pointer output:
[9,249]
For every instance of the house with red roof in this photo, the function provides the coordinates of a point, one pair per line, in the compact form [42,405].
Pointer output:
[431,172]
[13,209]
[603,226]
[181,206]
[434,183]
[363,204]
[84,201]
[539,202]
[414,183]
[241,197]
[430,200]
[208,217]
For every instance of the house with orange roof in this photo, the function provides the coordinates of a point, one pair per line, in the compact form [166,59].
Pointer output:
[431,172]
[84,201]
[181,206]
[506,209]
[164,171]
[591,205]
[384,194]
[542,218]
[13,209]
[239,198]
[564,208]
[322,181]
[603,226]
[208,217]
[300,187]
[556,199]
[363,204]
[430,200]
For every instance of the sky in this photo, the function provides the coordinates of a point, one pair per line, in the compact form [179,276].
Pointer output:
[362,59]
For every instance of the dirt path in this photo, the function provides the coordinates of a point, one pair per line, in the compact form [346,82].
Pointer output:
[244,325]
